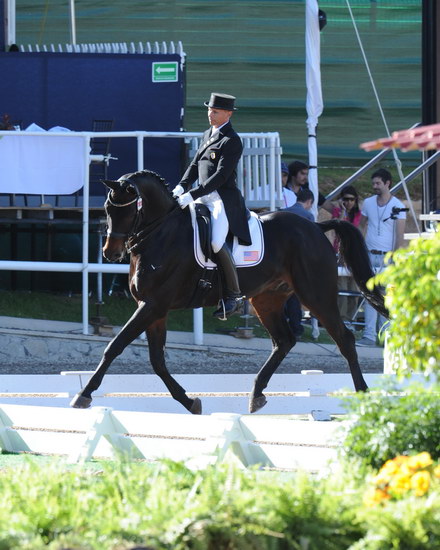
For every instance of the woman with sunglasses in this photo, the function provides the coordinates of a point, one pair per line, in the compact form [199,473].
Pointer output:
[347,208]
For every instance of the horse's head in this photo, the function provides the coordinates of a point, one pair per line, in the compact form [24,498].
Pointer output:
[133,201]
[122,209]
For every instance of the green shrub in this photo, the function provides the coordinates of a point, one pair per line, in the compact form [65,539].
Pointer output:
[165,506]
[168,507]
[383,426]
[413,300]
[408,524]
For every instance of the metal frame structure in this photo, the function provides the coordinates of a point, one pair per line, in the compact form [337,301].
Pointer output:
[259,180]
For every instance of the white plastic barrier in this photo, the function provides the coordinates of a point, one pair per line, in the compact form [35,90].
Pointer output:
[274,442]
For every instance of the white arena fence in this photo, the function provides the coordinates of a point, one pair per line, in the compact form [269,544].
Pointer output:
[259,179]
[134,416]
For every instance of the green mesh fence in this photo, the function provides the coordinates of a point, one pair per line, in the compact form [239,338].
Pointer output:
[254,49]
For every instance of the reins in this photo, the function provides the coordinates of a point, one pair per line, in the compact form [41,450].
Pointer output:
[134,241]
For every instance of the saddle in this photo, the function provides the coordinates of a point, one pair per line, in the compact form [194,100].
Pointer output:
[244,256]
[204,227]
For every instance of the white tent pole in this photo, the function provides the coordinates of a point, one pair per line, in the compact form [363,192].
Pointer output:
[314,102]
[72,23]
[10,22]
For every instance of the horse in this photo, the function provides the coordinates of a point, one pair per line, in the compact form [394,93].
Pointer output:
[145,221]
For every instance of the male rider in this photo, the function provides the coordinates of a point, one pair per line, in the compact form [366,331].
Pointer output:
[215,167]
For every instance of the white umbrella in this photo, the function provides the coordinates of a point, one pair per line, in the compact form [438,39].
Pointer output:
[314,103]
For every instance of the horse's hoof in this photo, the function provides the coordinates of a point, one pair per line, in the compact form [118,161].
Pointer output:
[80,402]
[196,407]
[257,403]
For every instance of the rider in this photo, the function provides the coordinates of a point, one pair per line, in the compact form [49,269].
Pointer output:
[215,167]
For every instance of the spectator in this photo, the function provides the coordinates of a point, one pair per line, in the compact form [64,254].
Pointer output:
[299,179]
[292,308]
[384,217]
[347,209]
[288,195]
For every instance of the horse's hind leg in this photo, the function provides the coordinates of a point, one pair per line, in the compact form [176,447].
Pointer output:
[270,310]
[328,314]
[156,334]
[131,330]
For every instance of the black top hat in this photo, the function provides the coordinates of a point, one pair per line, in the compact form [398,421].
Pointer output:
[221,101]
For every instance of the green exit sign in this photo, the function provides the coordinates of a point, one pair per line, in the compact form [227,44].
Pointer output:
[165,72]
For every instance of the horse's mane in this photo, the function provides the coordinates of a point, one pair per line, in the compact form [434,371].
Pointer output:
[140,176]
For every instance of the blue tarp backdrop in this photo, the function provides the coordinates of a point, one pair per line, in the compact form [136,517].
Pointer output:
[72,89]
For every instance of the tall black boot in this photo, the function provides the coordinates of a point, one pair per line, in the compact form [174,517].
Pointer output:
[232,300]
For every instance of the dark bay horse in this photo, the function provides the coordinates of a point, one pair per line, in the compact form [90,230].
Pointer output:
[145,220]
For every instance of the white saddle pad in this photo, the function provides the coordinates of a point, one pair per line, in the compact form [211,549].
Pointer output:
[244,256]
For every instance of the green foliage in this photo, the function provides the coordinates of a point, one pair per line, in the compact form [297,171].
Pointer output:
[120,506]
[413,299]
[409,524]
[169,507]
[384,425]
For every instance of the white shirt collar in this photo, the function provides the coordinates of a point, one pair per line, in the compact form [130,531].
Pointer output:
[215,130]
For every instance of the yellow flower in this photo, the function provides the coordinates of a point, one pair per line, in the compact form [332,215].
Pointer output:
[375,496]
[422,460]
[437,471]
[420,482]
[401,483]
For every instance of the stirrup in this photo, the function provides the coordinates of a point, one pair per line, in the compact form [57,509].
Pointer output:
[228,306]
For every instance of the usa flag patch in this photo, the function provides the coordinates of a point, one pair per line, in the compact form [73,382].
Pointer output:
[250,255]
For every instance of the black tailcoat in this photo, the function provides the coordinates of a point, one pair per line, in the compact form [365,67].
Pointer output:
[215,167]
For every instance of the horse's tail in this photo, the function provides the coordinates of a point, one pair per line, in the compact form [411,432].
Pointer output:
[355,255]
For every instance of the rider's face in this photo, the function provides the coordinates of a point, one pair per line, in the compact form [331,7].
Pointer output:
[217,117]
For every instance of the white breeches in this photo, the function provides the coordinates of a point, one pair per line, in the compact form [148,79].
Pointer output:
[219,220]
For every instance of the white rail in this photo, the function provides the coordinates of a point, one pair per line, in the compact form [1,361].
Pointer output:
[261,150]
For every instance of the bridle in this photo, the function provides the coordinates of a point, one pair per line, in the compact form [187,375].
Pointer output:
[132,239]
[138,200]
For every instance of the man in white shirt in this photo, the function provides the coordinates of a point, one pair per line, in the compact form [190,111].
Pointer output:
[288,195]
[384,217]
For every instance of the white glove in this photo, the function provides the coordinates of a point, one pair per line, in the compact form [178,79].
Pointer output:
[185,199]
[178,190]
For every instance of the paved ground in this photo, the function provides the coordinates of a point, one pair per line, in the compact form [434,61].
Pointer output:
[48,347]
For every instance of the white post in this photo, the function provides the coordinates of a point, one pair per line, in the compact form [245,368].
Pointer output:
[10,22]
[72,23]
[140,152]
[272,144]
[198,326]
[85,241]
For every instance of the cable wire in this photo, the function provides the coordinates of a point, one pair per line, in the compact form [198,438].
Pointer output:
[373,85]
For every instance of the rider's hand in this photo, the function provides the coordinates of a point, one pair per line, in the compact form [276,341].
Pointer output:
[185,199]
[178,190]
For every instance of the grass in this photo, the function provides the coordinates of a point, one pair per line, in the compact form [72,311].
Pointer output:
[117,308]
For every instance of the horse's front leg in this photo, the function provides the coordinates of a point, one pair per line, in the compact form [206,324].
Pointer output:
[156,334]
[131,330]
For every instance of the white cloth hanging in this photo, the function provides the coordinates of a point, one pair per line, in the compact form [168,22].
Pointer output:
[42,165]
[314,104]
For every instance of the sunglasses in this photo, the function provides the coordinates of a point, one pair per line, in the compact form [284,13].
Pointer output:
[348,199]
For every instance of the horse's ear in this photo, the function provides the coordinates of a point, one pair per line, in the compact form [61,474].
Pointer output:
[111,184]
